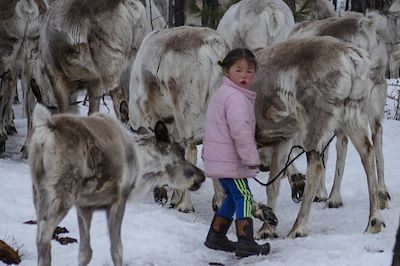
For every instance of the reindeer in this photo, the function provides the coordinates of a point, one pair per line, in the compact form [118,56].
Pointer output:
[173,77]
[362,31]
[88,45]
[19,31]
[255,24]
[95,163]
[313,87]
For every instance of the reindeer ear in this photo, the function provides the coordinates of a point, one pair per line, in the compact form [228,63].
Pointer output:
[161,132]
[124,111]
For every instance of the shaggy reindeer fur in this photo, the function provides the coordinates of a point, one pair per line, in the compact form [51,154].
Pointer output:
[361,31]
[173,77]
[95,163]
[313,87]
[255,24]
[19,31]
[88,44]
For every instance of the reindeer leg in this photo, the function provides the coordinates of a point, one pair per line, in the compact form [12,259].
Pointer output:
[335,197]
[278,159]
[383,193]
[115,214]
[84,220]
[117,96]
[296,182]
[94,92]
[9,115]
[314,170]
[322,193]
[219,195]
[49,212]
[359,138]
[181,199]
[6,92]
[29,103]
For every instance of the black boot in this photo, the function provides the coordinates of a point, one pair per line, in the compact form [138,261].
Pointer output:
[216,237]
[246,245]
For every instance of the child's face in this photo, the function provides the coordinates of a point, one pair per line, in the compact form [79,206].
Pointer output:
[241,73]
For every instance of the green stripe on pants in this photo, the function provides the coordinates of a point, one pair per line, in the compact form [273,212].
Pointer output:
[241,185]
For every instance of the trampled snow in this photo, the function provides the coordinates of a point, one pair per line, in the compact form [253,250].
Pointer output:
[156,235]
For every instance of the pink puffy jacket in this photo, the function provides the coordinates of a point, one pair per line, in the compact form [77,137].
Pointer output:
[229,134]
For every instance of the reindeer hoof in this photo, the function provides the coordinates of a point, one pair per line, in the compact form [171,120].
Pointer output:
[298,183]
[266,236]
[295,233]
[266,231]
[215,207]
[184,210]
[160,195]
[269,215]
[319,199]
[331,204]
[375,225]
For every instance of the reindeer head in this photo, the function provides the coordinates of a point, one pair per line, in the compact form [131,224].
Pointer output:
[163,161]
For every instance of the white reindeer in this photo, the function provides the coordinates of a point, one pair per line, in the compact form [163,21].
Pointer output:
[173,77]
[256,23]
[95,163]
[314,87]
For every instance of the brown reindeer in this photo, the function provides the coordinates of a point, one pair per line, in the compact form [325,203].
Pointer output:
[95,163]
[313,87]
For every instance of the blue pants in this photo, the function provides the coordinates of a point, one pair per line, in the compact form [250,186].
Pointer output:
[238,198]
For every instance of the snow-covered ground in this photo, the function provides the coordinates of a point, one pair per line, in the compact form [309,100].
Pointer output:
[156,235]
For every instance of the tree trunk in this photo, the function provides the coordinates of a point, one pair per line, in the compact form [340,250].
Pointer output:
[209,17]
[176,14]
[360,5]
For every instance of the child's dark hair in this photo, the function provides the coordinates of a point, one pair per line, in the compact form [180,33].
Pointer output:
[237,54]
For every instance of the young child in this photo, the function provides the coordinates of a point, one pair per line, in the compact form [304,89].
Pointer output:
[230,153]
